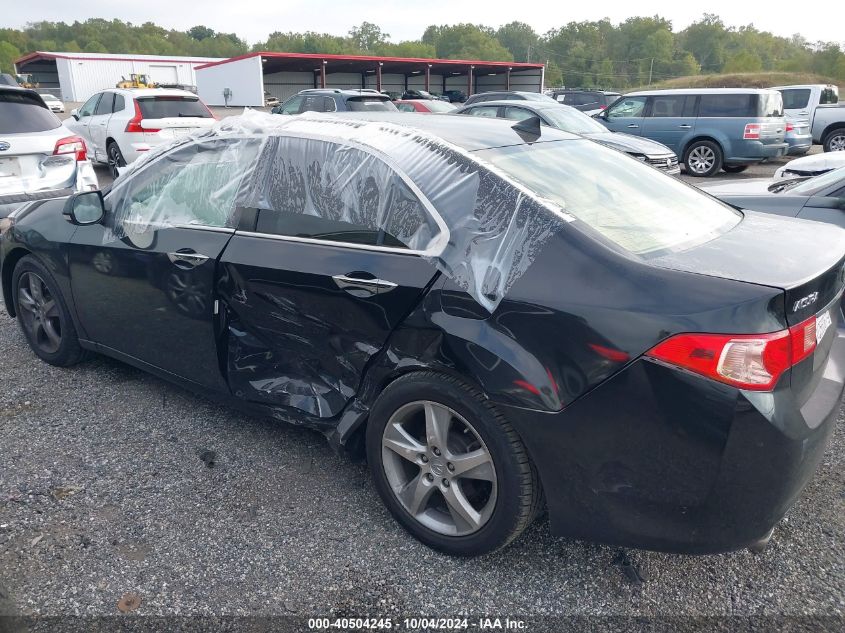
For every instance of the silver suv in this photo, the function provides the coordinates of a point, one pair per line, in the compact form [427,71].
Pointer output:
[710,129]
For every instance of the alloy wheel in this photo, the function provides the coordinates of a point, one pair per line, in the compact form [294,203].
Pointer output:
[837,143]
[701,159]
[39,313]
[439,468]
[114,160]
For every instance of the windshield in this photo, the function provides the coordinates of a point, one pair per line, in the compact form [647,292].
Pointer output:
[22,112]
[370,104]
[812,186]
[572,120]
[629,203]
[175,106]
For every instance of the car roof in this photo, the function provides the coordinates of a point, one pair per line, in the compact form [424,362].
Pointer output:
[152,92]
[699,91]
[468,133]
[344,92]
[8,88]
[530,104]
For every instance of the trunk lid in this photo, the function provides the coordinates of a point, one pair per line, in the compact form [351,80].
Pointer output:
[804,259]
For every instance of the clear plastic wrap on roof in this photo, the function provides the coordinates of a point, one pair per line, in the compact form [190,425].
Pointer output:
[423,193]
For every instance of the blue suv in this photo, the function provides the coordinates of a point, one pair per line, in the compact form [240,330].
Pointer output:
[711,129]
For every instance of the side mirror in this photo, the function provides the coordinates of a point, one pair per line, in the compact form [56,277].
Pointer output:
[75,114]
[85,208]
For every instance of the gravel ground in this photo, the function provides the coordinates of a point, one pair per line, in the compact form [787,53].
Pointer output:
[115,485]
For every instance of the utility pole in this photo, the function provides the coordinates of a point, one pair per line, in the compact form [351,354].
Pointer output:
[651,68]
[528,60]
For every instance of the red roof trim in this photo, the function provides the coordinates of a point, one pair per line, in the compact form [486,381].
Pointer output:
[42,55]
[348,58]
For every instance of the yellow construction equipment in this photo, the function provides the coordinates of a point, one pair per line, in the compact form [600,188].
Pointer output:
[25,81]
[135,81]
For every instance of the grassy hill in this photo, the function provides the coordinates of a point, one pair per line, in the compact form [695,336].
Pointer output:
[741,80]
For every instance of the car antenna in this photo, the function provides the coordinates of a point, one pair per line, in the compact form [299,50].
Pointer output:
[528,129]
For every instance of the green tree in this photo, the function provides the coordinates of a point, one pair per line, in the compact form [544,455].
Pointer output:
[368,37]
[743,62]
[518,38]
[200,32]
[8,55]
[93,46]
[466,41]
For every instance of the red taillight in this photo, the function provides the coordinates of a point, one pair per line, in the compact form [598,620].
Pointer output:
[748,361]
[602,107]
[752,132]
[71,145]
[789,127]
[134,124]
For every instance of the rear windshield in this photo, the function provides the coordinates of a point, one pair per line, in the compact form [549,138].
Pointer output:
[439,106]
[21,112]
[768,104]
[830,94]
[631,204]
[166,107]
[370,104]
[795,98]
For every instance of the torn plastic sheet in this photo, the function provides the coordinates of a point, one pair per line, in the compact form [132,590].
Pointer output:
[461,213]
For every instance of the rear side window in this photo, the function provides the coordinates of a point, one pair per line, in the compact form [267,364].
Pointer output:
[668,106]
[727,105]
[320,190]
[317,103]
[105,104]
[370,104]
[795,98]
[829,95]
[21,112]
[166,107]
[487,111]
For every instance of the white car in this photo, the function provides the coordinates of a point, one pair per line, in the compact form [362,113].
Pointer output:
[120,125]
[814,165]
[52,102]
[39,157]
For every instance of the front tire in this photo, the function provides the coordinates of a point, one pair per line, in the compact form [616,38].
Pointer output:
[43,315]
[835,140]
[451,470]
[115,158]
[703,158]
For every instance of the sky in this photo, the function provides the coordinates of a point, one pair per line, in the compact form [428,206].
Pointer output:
[406,19]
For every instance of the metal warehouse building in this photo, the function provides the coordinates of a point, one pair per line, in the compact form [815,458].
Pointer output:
[242,81]
[76,76]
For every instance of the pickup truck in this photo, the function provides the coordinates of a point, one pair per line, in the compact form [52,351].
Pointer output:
[818,105]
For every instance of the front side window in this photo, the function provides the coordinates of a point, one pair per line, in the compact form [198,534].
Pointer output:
[292,105]
[627,107]
[316,189]
[795,98]
[629,203]
[193,185]
[90,106]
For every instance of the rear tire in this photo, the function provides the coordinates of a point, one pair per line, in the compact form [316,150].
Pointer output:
[735,169]
[835,140]
[115,158]
[703,158]
[429,484]
[43,315]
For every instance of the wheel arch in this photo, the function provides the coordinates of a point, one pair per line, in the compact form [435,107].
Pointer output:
[702,137]
[839,125]
[9,265]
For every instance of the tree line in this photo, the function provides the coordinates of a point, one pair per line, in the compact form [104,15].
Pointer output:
[589,54]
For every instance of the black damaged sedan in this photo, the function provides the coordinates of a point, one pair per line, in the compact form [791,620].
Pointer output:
[500,318]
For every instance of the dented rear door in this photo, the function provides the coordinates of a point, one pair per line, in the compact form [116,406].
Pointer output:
[305,316]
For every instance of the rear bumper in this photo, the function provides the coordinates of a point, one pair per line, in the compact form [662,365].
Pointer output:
[799,144]
[746,152]
[661,459]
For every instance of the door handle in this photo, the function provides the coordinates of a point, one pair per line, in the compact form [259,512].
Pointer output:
[633,125]
[362,287]
[187,259]
[684,126]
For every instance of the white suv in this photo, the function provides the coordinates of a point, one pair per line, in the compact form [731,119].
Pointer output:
[119,125]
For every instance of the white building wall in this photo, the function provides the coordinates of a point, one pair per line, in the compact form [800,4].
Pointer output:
[83,77]
[244,77]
